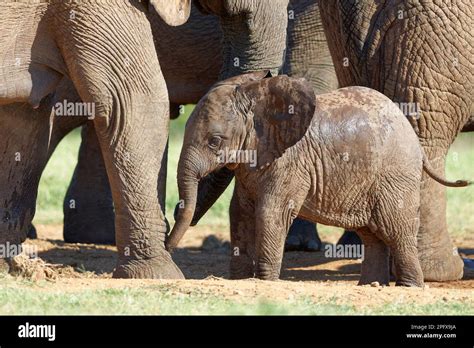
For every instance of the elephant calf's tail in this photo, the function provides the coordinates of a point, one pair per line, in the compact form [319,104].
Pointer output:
[430,171]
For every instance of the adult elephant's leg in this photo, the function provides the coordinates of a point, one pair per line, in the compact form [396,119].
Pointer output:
[438,256]
[303,236]
[431,39]
[349,238]
[134,165]
[28,140]
[32,233]
[445,104]
[112,61]
[88,206]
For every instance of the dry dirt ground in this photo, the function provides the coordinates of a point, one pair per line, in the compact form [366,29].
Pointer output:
[204,260]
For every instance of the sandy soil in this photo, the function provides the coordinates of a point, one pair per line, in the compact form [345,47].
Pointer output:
[204,260]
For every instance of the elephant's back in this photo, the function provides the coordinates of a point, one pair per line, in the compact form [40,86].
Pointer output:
[361,141]
[363,125]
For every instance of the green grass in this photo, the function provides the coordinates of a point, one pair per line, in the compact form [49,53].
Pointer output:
[159,300]
[460,164]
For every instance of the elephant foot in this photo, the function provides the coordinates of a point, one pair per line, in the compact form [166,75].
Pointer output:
[303,236]
[383,279]
[443,264]
[376,270]
[241,267]
[32,232]
[409,284]
[87,229]
[161,267]
[414,283]
[349,238]
[268,271]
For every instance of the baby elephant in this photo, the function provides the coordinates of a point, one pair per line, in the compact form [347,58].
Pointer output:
[348,158]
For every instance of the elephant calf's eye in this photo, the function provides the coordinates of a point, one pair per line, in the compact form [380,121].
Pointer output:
[214,142]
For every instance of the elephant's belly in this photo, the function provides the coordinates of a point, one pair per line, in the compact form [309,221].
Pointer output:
[188,92]
[27,86]
[343,220]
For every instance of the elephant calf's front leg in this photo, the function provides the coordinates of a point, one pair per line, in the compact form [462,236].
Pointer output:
[274,216]
[242,234]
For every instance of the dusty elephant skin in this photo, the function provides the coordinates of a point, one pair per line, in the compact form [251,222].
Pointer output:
[25,151]
[413,52]
[348,158]
[115,70]
[256,36]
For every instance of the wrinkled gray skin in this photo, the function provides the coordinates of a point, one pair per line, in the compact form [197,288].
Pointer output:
[413,52]
[60,43]
[307,53]
[348,158]
[30,142]
[201,38]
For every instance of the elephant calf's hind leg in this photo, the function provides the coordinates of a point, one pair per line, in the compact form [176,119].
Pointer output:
[400,233]
[375,265]
[407,265]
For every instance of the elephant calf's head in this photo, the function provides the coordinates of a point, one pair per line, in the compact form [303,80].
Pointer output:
[248,119]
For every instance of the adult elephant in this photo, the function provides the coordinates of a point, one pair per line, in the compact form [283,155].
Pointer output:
[103,50]
[190,57]
[420,53]
[224,38]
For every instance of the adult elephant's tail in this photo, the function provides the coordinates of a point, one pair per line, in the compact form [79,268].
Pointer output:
[430,171]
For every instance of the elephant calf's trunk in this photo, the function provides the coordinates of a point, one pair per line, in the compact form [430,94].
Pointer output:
[188,194]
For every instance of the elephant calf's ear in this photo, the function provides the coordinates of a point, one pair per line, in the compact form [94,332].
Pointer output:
[173,12]
[283,109]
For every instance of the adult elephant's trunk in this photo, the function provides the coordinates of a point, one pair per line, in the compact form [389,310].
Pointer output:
[188,181]
[254,37]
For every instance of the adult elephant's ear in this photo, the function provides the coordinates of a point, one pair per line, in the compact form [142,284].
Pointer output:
[283,108]
[173,12]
